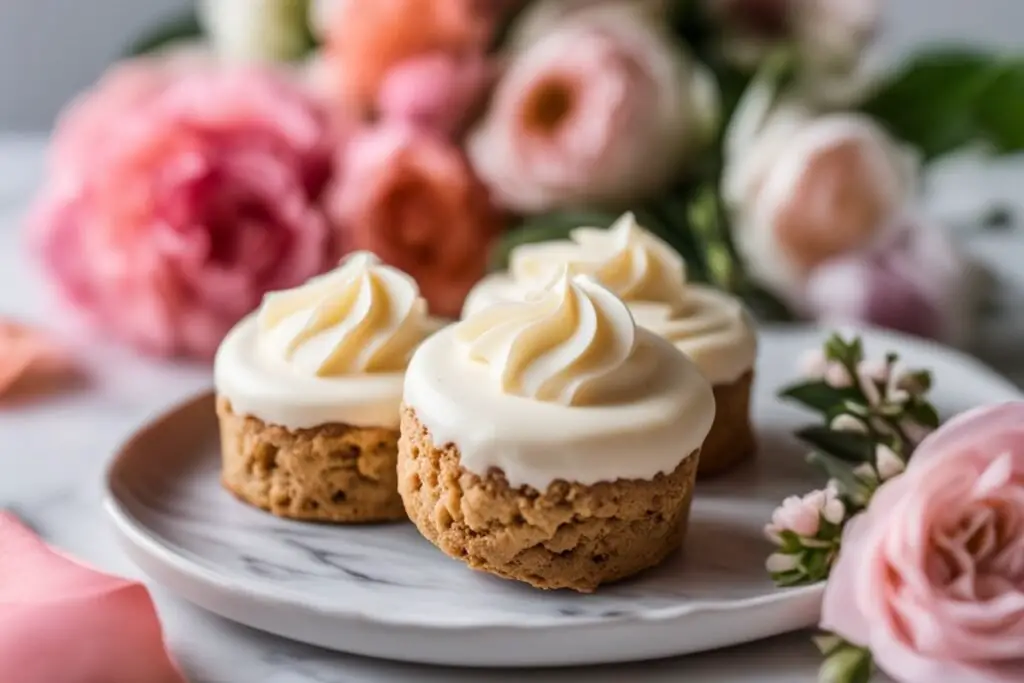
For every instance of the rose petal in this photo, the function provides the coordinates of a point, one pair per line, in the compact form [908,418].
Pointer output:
[62,621]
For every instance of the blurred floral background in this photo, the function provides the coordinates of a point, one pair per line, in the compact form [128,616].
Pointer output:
[249,144]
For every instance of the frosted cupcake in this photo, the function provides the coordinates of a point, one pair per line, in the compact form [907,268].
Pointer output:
[309,390]
[709,326]
[552,441]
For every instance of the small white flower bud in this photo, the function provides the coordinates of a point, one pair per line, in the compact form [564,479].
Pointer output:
[778,563]
[848,423]
[888,463]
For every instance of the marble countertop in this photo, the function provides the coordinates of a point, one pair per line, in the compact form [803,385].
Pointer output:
[53,456]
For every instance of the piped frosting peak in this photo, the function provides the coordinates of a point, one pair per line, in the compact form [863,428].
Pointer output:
[571,343]
[627,259]
[363,317]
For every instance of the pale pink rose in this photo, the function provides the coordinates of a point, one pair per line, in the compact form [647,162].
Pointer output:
[931,576]
[411,198]
[600,105]
[804,188]
[178,196]
[914,281]
[437,91]
[803,515]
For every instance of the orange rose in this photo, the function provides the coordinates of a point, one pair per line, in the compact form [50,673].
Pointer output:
[412,199]
[366,38]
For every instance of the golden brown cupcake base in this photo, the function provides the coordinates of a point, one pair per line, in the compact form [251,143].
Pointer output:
[732,439]
[334,473]
[569,536]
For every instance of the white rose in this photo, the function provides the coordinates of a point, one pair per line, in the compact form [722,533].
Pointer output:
[803,188]
[829,34]
[599,104]
[257,30]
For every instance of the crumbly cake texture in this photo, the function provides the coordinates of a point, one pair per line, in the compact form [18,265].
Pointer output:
[732,439]
[570,536]
[333,473]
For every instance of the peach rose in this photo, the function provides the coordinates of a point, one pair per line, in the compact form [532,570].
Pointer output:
[411,198]
[365,40]
[177,196]
[599,104]
[804,188]
[931,577]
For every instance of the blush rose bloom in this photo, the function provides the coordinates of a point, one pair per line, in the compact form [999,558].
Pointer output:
[915,280]
[804,188]
[411,198]
[177,196]
[364,40]
[931,577]
[598,105]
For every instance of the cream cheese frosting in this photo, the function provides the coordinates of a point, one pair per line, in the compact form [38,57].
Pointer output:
[561,385]
[710,326]
[333,350]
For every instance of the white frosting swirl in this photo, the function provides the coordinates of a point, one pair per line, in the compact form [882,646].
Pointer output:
[710,326]
[333,350]
[568,344]
[363,317]
[633,263]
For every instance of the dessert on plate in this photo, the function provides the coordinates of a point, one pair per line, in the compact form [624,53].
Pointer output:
[708,325]
[551,440]
[309,390]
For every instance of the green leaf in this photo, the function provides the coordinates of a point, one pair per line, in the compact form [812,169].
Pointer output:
[182,27]
[946,100]
[818,396]
[923,413]
[849,485]
[848,446]
[847,664]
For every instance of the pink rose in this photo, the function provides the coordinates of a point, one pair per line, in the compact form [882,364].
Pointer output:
[411,198]
[599,104]
[914,281]
[931,577]
[436,91]
[178,196]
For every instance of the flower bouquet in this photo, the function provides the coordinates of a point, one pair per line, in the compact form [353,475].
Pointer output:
[919,532]
[251,143]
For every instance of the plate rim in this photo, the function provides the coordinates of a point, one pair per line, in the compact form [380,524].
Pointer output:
[133,531]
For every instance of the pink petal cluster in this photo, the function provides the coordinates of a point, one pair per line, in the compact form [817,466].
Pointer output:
[931,577]
[62,621]
[803,515]
[411,197]
[366,41]
[437,91]
[178,195]
[914,281]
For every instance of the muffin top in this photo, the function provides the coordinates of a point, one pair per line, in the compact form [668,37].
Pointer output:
[333,350]
[708,325]
[561,385]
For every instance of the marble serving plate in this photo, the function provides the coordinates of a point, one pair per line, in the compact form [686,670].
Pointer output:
[384,591]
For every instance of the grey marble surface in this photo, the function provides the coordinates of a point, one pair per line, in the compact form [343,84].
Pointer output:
[53,456]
